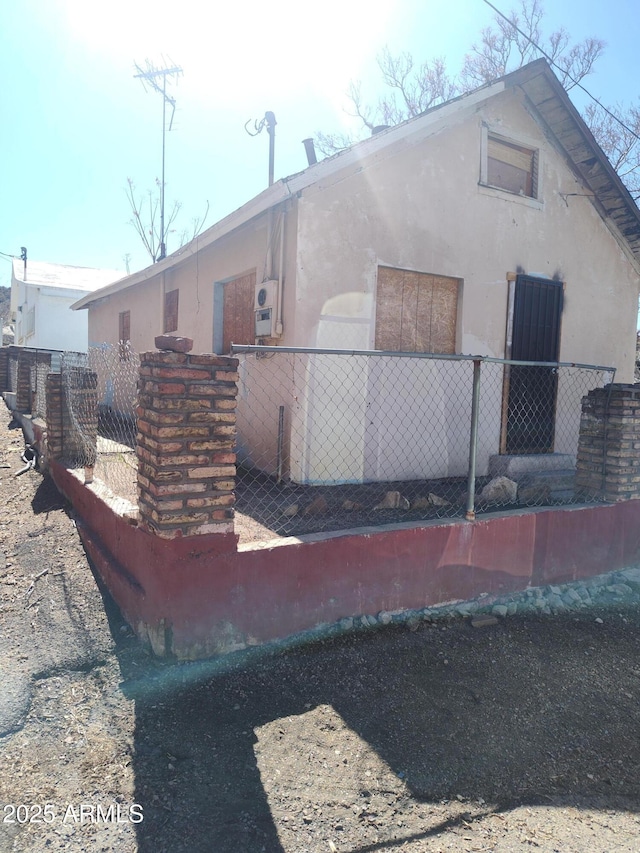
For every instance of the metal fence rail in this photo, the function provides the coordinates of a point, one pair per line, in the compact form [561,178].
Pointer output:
[332,439]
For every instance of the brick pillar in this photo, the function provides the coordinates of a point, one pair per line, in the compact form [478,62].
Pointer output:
[79,416]
[26,358]
[54,416]
[186,440]
[4,369]
[608,463]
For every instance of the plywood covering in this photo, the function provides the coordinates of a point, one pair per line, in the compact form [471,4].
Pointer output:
[415,312]
[238,316]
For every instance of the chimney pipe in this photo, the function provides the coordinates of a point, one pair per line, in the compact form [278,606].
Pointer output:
[311,151]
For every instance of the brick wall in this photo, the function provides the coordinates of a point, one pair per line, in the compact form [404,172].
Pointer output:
[4,369]
[54,417]
[26,359]
[186,439]
[72,417]
[608,463]
[79,416]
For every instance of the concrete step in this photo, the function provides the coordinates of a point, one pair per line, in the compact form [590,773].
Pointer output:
[545,486]
[519,467]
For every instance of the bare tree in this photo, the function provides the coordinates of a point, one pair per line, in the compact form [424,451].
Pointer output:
[145,219]
[517,39]
[620,141]
[508,44]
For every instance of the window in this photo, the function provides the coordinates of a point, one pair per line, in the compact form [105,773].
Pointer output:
[511,167]
[124,334]
[171,311]
[416,312]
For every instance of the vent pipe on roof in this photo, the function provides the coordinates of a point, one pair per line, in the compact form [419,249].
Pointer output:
[309,147]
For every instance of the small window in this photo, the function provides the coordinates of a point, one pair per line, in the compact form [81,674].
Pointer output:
[171,311]
[511,167]
[124,334]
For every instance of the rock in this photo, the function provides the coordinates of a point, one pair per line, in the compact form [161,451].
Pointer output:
[291,510]
[500,610]
[500,490]
[317,507]
[421,503]
[435,500]
[173,343]
[536,493]
[432,500]
[384,617]
[393,500]
[346,624]
[483,621]
[352,506]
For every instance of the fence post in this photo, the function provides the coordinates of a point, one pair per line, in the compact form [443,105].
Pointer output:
[473,441]
[54,416]
[608,463]
[186,443]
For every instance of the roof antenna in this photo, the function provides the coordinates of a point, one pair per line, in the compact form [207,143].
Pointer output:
[23,257]
[270,121]
[151,75]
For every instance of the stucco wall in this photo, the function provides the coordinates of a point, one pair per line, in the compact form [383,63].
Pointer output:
[56,325]
[418,205]
[195,278]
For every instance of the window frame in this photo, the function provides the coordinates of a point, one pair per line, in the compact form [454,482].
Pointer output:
[124,340]
[521,142]
[171,311]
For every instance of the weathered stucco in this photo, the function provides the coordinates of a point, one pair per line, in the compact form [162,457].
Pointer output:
[411,198]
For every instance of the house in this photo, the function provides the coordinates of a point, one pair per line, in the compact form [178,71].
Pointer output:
[491,225]
[41,296]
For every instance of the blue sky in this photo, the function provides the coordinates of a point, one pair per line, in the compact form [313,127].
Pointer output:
[76,124]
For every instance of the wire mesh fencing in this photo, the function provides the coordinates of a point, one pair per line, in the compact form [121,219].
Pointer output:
[99,414]
[329,440]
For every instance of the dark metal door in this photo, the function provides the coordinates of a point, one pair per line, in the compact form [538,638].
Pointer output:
[532,390]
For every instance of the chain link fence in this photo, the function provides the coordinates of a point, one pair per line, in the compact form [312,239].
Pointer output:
[99,413]
[329,440]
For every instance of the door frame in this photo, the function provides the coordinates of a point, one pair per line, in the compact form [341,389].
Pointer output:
[508,348]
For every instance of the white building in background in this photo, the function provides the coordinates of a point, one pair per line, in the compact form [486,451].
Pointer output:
[41,297]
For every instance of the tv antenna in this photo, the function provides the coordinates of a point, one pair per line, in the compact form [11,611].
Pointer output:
[269,121]
[156,78]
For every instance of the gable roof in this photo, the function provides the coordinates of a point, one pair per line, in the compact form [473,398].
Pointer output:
[548,102]
[63,276]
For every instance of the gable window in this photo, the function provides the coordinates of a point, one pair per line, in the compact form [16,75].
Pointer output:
[416,312]
[171,311]
[510,166]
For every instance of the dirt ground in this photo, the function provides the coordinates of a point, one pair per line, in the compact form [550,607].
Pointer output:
[523,735]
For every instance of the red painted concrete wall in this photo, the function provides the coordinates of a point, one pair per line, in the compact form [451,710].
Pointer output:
[199,596]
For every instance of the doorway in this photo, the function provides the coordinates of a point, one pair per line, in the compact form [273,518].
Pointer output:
[531,391]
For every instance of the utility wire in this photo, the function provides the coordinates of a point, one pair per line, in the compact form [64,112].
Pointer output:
[563,70]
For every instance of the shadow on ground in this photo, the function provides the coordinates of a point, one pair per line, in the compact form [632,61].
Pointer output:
[235,756]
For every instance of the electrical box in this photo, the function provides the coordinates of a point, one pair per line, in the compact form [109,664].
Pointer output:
[266,307]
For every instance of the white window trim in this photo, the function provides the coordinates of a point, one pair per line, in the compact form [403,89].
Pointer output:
[497,192]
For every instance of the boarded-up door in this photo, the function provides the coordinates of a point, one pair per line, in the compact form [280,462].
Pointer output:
[238,319]
[531,394]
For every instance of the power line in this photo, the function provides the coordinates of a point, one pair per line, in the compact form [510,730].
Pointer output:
[563,70]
